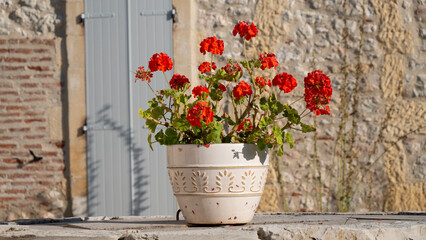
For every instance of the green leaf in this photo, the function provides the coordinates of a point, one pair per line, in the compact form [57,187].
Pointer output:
[289,138]
[264,104]
[153,103]
[216,94]
[261,145]
[307,128]
[151,125]
[214,135]
[254,137]
[157,112]
[221,74]
[160,138]
[172,136]
[275,106]
[144,114]
[150,141]
[256,63]
[244,64]
[181,124]
[198,141]
[278,135]
[280,151]
[239,101]
[291,114]
[182,99]
[265,122]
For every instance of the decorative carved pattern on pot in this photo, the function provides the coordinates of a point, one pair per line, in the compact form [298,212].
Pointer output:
[249,179]
[179,181]
[224,181]
[199,181]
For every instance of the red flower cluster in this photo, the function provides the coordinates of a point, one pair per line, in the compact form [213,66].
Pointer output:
[285,82]
[318,92]
[200,112]
[178,81]
[246,31]
[241,90]
[212,45]
[242,126]
[198,91]
[206,67]
[160,62]
[143,75]
[268,60]
[232,69]
[262,82]
[222,87]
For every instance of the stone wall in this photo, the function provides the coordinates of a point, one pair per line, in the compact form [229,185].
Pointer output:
[391,95]
[32,97]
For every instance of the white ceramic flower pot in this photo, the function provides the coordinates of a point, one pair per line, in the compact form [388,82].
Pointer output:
[219,184]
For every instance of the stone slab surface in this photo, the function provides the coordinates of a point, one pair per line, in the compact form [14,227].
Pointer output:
[407,225]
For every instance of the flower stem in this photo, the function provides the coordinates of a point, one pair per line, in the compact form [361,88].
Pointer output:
[151,89]
[297,100]
[164,74]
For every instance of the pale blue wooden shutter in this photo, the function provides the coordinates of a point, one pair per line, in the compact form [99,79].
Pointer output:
[124,176]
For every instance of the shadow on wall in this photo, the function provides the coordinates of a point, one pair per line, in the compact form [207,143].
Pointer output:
[121,136]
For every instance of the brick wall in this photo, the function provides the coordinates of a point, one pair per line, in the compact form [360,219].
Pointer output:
[30,118]
[32,104]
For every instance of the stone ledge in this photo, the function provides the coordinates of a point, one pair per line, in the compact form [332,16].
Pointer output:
[404,225]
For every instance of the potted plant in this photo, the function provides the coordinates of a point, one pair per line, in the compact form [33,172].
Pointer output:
[218,158]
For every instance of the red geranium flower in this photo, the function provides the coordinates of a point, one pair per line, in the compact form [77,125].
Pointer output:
[285,82]
[206,67]
[318,92]
[243,127]
[143,75]
[222,87]
[178,81]
[198,91]
[268,60]
[160,62]
[200,112]
[241,90]
[232,69]
[212,45]
[246,31]
[260,81]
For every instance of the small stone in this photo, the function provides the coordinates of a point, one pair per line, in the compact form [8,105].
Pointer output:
[25,16]
[5,3]
[321,30]
[239,11]
[422,33]
[322,42]
[4,26]
[304,32]
[42,6]
[419,167]
[315,4]
[420,86]
[289,53]
[287,16]
[408,19]
[29,3]
[406,4]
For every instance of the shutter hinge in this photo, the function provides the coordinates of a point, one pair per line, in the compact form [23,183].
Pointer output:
[169,13]
[85,16]
[98,128]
